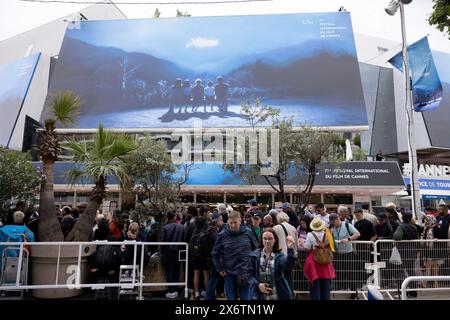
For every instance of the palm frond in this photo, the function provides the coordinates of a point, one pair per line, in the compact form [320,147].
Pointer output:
[65,106]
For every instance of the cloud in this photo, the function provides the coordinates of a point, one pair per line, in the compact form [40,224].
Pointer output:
[202,43]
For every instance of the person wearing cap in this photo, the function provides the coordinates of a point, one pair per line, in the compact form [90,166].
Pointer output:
[343,232]
[256,224]
[319,276]
[293,217]
[253,205]
[383,229]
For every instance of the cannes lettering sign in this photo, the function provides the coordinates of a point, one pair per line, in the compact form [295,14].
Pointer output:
[428,170]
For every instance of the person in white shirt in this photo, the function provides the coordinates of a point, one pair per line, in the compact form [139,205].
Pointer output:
[322,213]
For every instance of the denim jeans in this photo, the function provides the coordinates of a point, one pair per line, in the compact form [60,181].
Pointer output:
[231,288]
[213,278]
[320,289]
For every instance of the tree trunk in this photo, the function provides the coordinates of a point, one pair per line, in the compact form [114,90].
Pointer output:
[82,230]
[49,228]
[281,186]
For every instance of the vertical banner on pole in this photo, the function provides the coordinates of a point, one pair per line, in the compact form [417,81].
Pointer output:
[426,85]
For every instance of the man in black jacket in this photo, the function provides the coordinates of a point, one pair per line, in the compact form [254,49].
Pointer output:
[231,254]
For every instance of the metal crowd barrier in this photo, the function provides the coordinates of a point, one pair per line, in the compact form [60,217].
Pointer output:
[416,258]
[136,279]
[353,269]
[374,263]
[408,280]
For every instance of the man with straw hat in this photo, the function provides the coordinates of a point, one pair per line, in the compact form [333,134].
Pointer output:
[319,275]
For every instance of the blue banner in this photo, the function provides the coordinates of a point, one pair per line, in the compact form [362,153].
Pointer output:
[426,85]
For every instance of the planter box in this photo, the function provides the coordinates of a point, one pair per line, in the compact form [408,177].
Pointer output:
[44,269]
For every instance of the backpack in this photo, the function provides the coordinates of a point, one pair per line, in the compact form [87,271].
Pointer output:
[199,245]
[323,253]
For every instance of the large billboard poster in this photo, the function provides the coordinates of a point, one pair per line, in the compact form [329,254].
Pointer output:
[168,73]
[437,120]
[15,78]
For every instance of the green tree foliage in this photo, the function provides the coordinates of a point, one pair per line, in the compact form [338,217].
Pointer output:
[18,178]
[152,172]
[301,150]
[257,113]
[440,17]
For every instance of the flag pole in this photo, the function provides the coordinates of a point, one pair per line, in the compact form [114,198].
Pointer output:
[412,153]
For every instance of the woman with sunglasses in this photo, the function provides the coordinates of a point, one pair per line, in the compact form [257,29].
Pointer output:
[267,265]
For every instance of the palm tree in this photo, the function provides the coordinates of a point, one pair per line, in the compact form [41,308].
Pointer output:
[64,109]
[97,160]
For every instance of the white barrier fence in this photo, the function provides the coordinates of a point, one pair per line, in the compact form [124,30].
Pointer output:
[408,280]
[15,261]
[385,264]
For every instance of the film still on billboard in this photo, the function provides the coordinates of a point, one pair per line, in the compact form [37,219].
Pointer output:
[15,78]
[168,73]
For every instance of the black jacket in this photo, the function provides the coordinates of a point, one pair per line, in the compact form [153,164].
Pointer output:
[231,252]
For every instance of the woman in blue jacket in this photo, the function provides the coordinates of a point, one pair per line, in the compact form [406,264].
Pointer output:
[267,281]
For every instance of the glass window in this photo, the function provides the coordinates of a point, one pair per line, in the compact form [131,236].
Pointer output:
[187,198]
[239,198]
[314,198]
[376,201]
[209,197]
[336,198]
[82,197]
[64,197]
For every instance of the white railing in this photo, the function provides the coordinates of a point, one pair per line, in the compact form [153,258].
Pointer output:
[136,281]
[408,280]
[370,263]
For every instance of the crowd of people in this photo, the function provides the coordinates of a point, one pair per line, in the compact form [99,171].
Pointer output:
[247,254]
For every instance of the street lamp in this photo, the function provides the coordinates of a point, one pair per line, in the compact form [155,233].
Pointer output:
[391,9]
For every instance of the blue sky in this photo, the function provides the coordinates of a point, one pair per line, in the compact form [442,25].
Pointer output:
[199,40]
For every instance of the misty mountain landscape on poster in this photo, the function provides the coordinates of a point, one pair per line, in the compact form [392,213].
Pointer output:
[128,78]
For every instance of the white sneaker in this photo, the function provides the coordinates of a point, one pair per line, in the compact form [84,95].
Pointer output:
[172,295]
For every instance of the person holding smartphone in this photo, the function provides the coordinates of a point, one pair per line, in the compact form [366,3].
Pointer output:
[267,266]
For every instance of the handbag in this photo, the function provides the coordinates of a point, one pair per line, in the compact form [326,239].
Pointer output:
[395,258]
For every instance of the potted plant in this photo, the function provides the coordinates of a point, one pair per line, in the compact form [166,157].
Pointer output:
[98,159]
